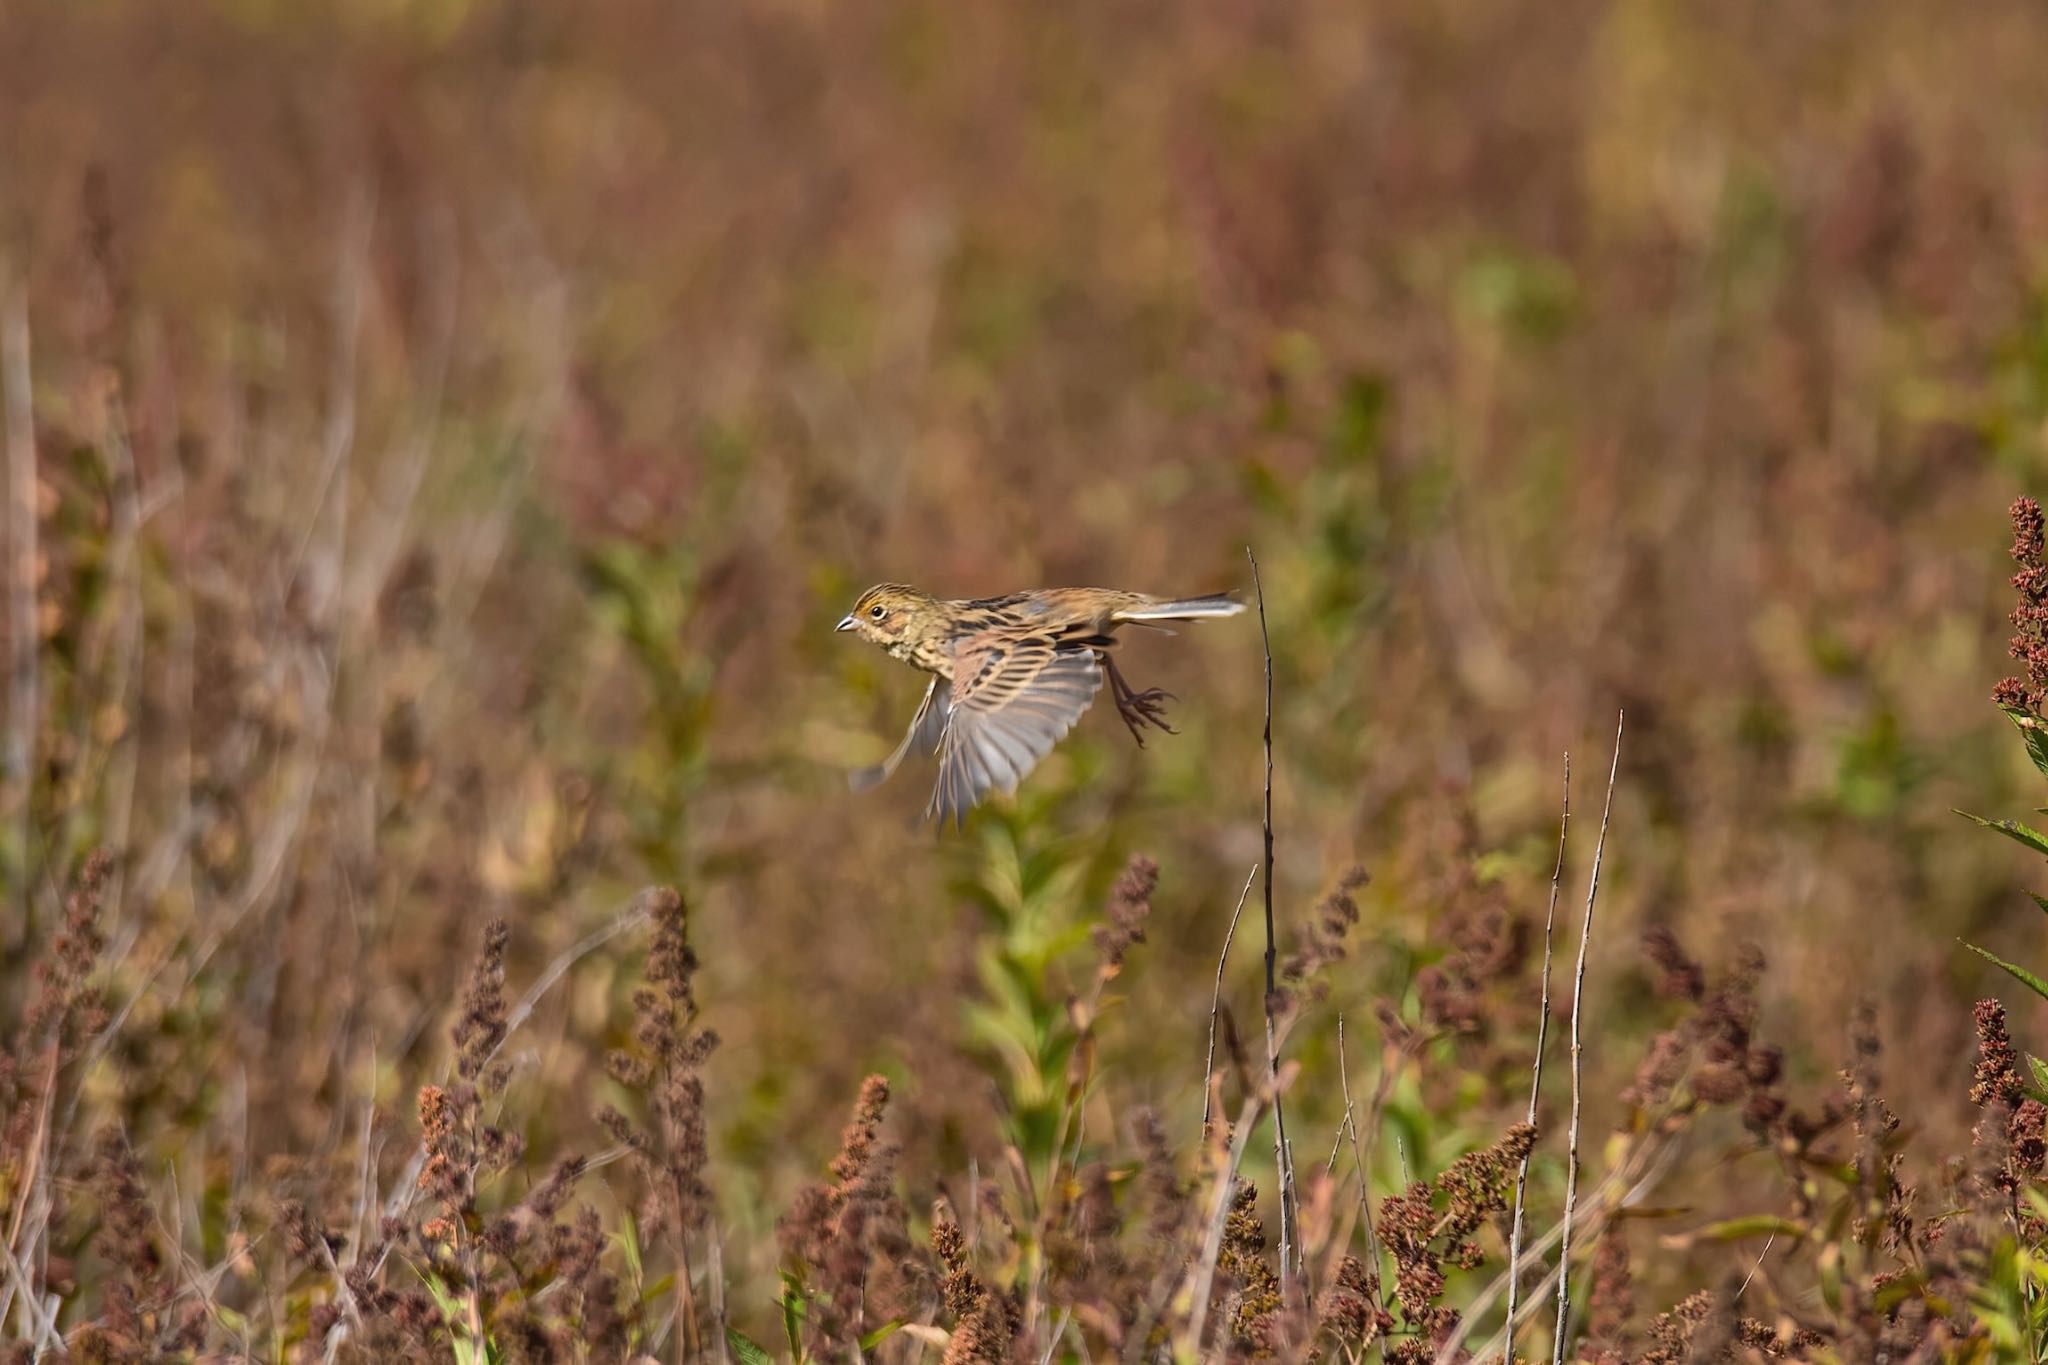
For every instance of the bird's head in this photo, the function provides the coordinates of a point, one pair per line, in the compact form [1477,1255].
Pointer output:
[889,613]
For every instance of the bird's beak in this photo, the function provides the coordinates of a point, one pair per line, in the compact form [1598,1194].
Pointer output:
[845,623]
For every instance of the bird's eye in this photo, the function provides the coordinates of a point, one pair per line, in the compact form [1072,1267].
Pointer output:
[878,612]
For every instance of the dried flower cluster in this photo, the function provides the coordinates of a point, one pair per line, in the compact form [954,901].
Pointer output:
[1432,1225]
[1886,1218]
[2011,1135]
[1252,1284]
[1107,1234]
[483,1253]
[1115,1245]
[1997,1077]
[669,1145]
[1702,1327]
[852,1233]
[461,1148]
[40,1162]
[985,1322]
[1350,1312]
[2028,692]
[1610,1307]
[1322,943]
[1711,1049]
[1488,946]
[142,1317]
[1130,904]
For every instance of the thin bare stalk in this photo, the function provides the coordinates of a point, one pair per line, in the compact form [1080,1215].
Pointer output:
[406,1188]
[1625,1186]
[1571,1169]
[21,585]
[1337,1141]
[1059,1329]
[689,1341]
[1769,1242]
[1564,822]
[1282,1160]
[714,1275]
[349,1305]
[32,1207]
[634,914]
[1216,1001]
[1372,1238]
[366,1165]
[1212,1239]
[1391,1059]
[467,1253]
[41,1318]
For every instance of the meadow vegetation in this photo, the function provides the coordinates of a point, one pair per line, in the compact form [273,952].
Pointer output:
[441,434]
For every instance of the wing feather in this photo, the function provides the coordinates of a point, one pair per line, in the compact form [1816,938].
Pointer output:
[1016,694]
[926,729]
[1016,753]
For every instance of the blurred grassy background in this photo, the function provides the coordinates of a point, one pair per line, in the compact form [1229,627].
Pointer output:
[458,425]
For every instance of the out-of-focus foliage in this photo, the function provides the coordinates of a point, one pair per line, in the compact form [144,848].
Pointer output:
[456,427]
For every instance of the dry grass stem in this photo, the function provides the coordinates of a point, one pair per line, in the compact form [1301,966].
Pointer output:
[1283,1160]
[1372,1240]
[1564,821]
[23,645]
[1204,1272]
[1216,1001]
[392,546]
[1571,1177]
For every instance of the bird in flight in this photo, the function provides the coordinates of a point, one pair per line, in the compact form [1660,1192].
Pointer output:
[1010,676]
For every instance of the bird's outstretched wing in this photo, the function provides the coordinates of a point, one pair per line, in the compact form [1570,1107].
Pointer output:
[1016,693]
[923,735]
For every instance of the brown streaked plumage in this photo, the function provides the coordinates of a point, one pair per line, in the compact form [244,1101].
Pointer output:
[1010,675]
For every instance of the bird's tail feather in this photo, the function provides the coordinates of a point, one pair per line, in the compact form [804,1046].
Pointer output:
[1183,609]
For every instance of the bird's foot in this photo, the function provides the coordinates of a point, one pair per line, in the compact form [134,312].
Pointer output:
[1140,709]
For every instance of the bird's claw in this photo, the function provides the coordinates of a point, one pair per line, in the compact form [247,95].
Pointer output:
[1140,709]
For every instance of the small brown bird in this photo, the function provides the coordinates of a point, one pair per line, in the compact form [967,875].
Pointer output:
[1011,675]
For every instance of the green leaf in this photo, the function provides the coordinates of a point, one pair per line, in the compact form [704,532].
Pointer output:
[879,1335]
[1897,1291]
[467,1351]
[629,1233]
[2035,735]
[451,1312]
[2040,1070]
[1652,1211]
[748,1352]
[1753,1225]
[2019,974]
[1829,1267]
[793,1314]
[2014,830]
[2041,901]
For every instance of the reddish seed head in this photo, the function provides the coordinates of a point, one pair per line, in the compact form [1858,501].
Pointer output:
[2030,693]
[2027,525]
